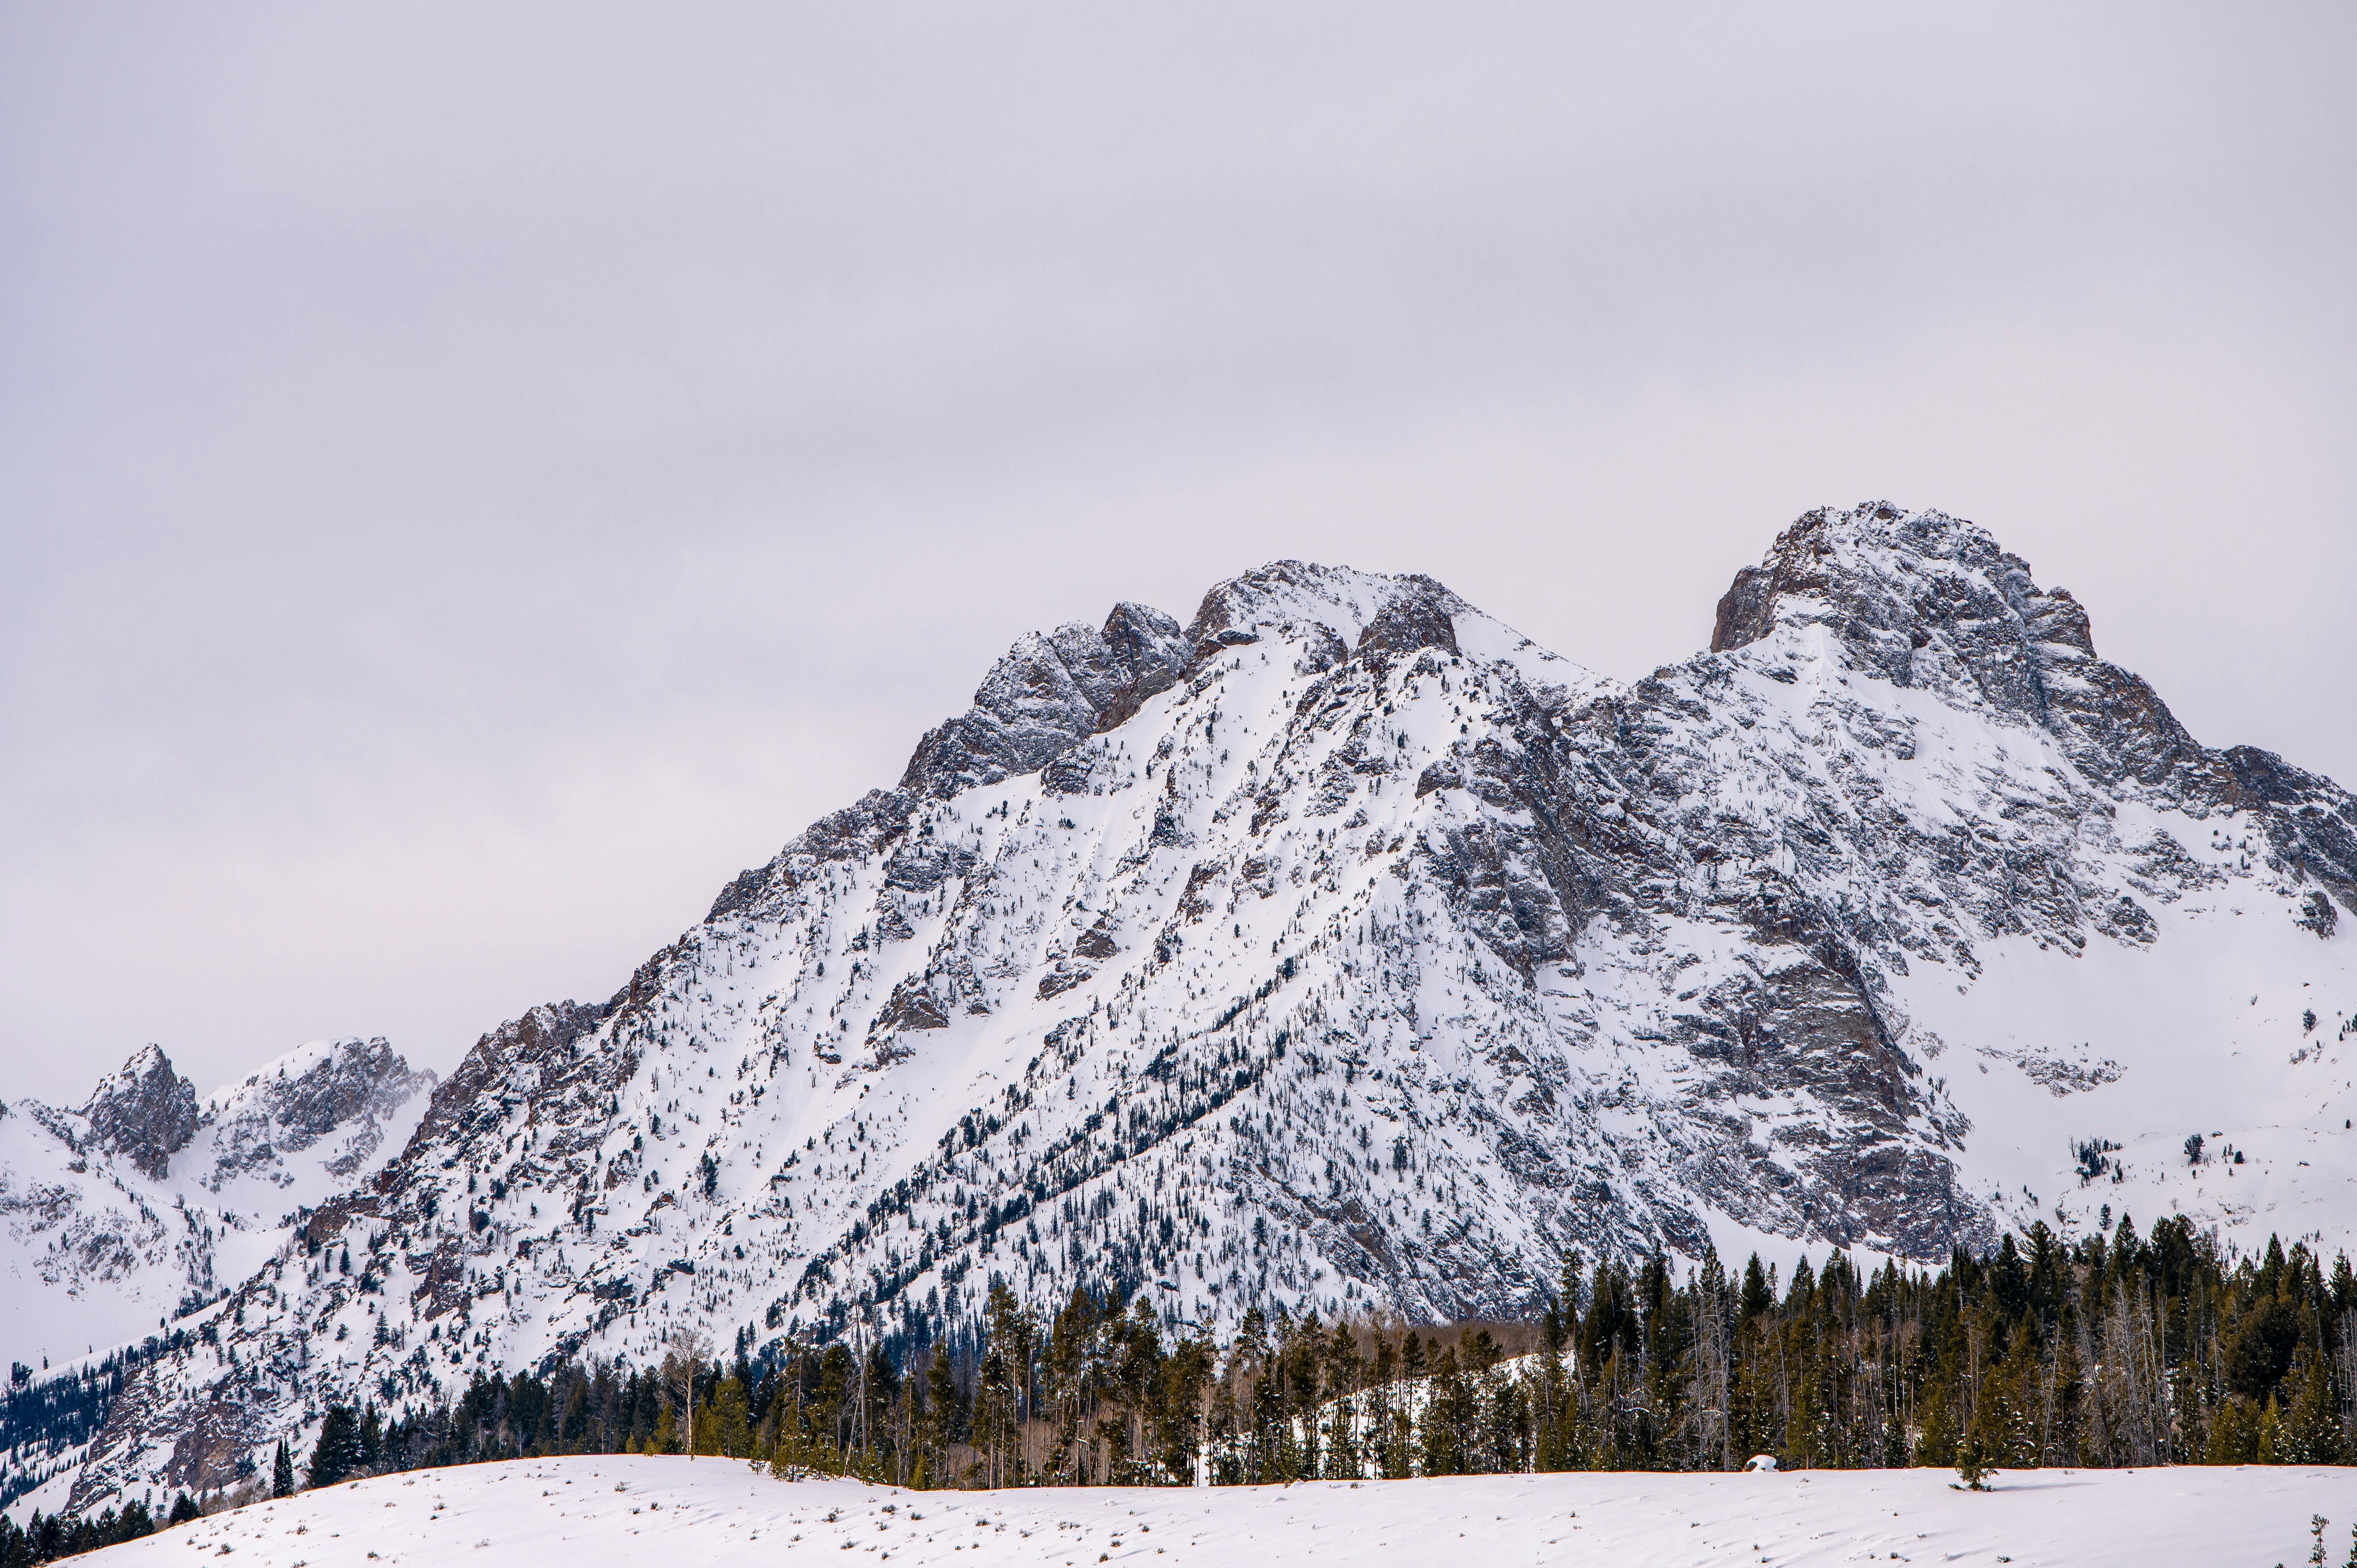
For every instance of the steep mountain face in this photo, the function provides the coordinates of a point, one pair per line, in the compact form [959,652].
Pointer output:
[1342,948]
[146,1202]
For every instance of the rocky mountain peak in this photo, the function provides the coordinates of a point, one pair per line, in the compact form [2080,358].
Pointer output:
[1887,581]
[147,1202]
[1930,601]
[1050,692]
[1330,609]
[1927,600]
[345,1089]
[1053,689]
[144,1112]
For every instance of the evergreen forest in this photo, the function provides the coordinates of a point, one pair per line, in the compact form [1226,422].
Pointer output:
[2116,1349]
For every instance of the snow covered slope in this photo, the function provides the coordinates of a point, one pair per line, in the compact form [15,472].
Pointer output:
[1341,948]
[592,1512]
[146,1201]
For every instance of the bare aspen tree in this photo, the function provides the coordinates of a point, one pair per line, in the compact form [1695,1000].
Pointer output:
[686,1350]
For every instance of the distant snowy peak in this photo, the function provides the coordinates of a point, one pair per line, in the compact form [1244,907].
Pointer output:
[1336,613]
[1924,599]
[1049,692]
[335,1097]
[1885,580]
[1303,601]
[146,1199]
[1054,690]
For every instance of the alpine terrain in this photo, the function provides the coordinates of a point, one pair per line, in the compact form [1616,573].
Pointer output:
[1341,949]
[146,1202]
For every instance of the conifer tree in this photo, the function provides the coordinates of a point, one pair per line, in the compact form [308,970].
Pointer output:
[2311,1428]
[1972,1469]
[337,1453]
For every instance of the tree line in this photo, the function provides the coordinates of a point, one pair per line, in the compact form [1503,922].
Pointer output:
[45,1416]
[47,1539]
[2114,1349]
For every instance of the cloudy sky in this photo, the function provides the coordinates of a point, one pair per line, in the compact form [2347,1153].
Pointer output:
[472,476]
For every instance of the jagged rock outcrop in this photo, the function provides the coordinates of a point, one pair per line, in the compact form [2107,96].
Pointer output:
[344,1097]
[1346,950]
[143,1112]
[1047,694]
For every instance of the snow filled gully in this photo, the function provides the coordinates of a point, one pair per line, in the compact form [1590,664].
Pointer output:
[626,1512]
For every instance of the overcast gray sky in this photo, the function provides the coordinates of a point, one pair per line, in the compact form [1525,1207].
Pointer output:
[473,476]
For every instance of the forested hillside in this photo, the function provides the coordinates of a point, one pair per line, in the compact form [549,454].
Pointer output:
[2123,1350]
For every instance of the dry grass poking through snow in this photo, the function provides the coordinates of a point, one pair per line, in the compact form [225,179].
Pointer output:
[618,1511]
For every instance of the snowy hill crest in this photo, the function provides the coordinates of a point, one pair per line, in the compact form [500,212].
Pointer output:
[1344,948]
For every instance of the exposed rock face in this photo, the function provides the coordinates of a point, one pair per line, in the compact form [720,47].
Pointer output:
[1347,950]
[1309,605]
[347,1094]
[1924,600]
[2311,823]
[144,1112]
[1049,693]
[1418,618]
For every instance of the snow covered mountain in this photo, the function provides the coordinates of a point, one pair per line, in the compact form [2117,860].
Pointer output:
[146,1202]
[1345,949]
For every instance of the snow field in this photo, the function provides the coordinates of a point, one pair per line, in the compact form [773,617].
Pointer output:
[615,1509]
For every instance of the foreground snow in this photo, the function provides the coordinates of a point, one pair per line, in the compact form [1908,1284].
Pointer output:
[590,1512]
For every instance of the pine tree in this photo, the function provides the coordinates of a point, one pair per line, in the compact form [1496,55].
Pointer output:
[2312,1429]
[1447,1413]
[372,1438]
[338,1455]
[723,1426]
[2234,1437]
[1937,1416]
[1758,1296]
[281,1473]
[1970,1466]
